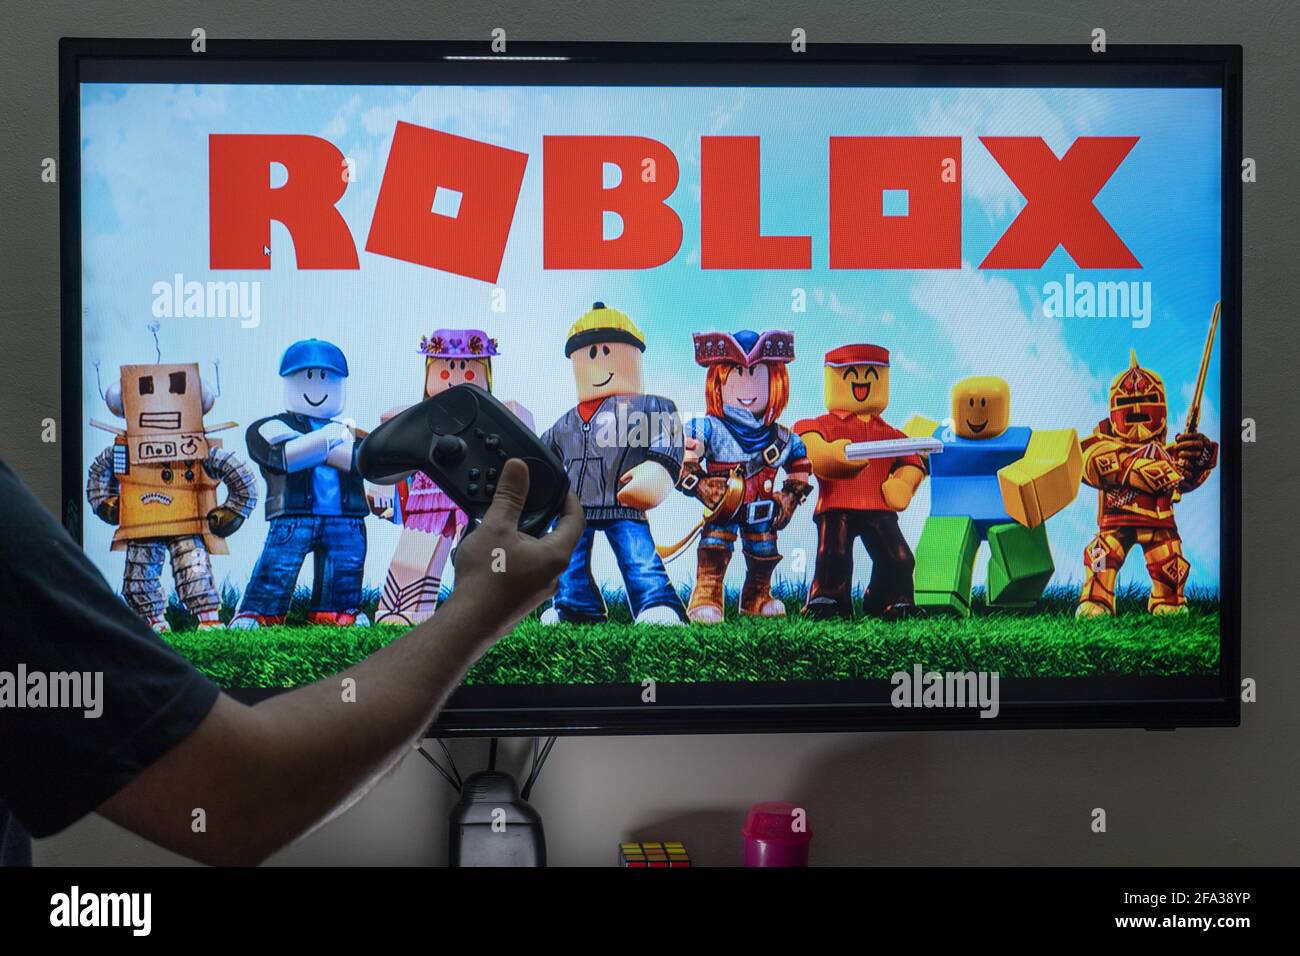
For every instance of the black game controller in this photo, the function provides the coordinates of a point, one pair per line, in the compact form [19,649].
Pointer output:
[460,439]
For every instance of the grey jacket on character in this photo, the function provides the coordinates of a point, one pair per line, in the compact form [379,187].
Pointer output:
[625,431]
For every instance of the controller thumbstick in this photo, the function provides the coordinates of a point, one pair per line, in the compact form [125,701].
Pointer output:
[448,450]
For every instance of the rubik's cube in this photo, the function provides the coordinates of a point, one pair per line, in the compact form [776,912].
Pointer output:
[653,854]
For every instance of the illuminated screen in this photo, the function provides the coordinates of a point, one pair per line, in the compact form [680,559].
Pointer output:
[861,387]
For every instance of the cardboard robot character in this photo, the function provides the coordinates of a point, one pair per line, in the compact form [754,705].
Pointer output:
[158,484]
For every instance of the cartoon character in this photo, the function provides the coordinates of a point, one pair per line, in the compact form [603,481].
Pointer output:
[431,523]
[733,456]
[623,451]
[867,471]
[315,497]
[1138,478]
[993,482]
[158,484]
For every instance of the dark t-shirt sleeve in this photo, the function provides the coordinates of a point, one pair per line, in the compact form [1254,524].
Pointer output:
[61,616]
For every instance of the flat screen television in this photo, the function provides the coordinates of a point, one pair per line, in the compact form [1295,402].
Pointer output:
[900,383]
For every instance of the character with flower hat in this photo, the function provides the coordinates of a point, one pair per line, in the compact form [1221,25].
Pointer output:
[431,523]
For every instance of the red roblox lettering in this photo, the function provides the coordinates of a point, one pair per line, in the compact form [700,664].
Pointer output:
[242,202]
[1059,195]
[575,200]
[471,241]
[422,161]
[862,236]
[729,211]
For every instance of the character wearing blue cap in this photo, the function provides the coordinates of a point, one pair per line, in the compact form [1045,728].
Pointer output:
[315,497]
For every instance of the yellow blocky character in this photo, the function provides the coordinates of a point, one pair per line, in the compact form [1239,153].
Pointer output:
[864,479]
[993,482]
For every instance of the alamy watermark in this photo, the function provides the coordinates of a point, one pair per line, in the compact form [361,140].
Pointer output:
[625,427]
[922,688]
[181,299]
[61,690]
[1086,299]
[76,908]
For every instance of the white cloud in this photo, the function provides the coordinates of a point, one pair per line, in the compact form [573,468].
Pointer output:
[337,127]
[975,113]
[438,106]
[991,333]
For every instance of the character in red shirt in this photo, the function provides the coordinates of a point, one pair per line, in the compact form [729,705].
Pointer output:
[859,497]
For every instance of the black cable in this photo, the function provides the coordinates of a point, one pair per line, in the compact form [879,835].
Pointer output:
[537,768]
[451,762]
[492,754]
[438,767]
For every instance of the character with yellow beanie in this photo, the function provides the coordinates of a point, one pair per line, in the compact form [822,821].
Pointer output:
[622,450]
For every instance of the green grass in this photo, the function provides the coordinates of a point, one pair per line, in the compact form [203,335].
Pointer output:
[1046,642]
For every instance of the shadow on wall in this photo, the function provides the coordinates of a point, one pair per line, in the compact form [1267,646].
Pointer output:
[930,799]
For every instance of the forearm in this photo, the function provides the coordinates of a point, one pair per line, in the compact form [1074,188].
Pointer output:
[265,775]
[268,774]
[337,742]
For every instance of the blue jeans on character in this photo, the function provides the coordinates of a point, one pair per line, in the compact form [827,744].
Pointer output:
[338,548]
[644,577]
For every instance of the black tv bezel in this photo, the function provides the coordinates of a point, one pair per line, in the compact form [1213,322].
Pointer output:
[763,64]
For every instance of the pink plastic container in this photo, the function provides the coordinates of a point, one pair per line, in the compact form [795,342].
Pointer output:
[776,834]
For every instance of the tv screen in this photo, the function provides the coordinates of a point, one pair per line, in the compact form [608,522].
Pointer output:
[899,385]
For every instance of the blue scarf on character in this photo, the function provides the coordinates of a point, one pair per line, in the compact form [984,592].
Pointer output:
[750,432]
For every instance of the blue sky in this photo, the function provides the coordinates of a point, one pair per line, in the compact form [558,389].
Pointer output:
[145,218]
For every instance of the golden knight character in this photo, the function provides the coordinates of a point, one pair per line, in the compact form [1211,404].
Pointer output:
[1139,476]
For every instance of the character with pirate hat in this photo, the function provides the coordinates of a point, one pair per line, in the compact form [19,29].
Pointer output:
[733,458]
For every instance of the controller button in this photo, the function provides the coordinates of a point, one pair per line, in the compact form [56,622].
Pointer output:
[474,474]
[448,450]
[471,489]
[490,488]
[492,441]
[479,433]
[492,473]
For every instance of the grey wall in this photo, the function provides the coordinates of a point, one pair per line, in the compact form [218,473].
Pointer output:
[1194,796]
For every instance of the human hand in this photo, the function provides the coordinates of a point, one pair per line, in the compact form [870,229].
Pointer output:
[502,573]
[1191,450]
[645,486]
[900,486]
[897,493]
[693,451]
[828,458]
[109,510]
[521,413]
[794,491]
[380,499]
[335,434]
[223,521]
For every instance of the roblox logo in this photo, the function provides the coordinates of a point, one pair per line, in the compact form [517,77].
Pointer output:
[1058,211]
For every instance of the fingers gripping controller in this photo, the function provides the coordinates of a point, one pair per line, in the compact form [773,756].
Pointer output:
[461,438]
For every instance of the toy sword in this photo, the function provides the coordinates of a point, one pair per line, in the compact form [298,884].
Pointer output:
[1194,413]
[892,448]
